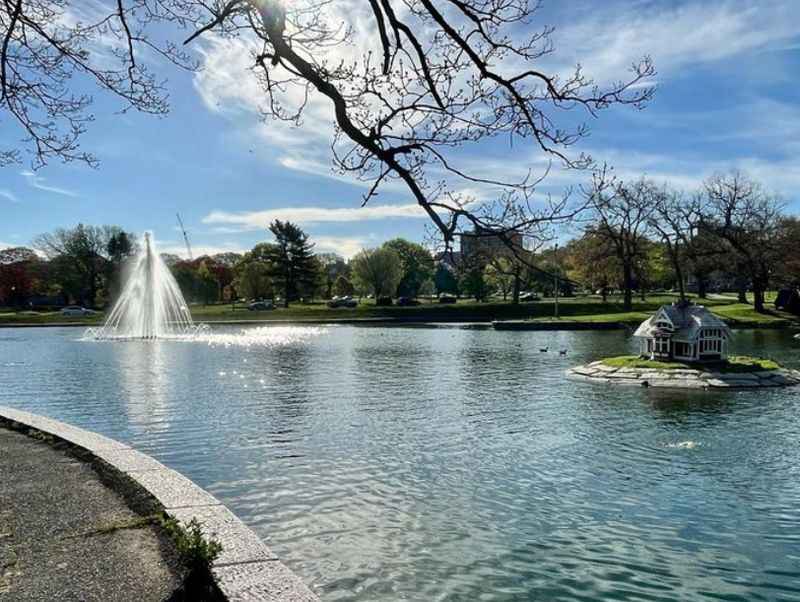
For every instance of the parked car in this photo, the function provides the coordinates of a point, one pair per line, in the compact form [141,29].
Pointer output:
[407,301]
[342,302]
[76,310]
[524,297]
[447,299]
[261,305]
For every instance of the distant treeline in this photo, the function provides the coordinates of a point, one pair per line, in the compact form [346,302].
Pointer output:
[637,238]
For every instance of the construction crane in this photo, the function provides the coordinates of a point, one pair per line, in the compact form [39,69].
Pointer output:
[185,237]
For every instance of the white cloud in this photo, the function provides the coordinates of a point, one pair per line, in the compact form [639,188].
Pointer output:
[6,245]
[258,220]
[688,172]
[677,36]
[344,246]
[8,195]
[38,182]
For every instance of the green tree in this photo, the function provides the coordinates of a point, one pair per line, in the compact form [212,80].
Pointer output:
[416,264]
[119,248]
[473,282]
[444,280]
[788,244]
[332,267]
[207,286]
[343,287]
[82,254]
[292,264]
[253,280]
[499,276]
[377,270]
[185,274]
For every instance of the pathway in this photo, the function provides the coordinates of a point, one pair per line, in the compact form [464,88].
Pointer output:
[65,535]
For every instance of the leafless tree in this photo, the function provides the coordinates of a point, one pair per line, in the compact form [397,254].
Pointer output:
[50,49]
[623,215]
[410,81]
[741,214]
[674,221]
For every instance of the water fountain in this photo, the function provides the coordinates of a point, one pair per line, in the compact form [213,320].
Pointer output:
[151,305]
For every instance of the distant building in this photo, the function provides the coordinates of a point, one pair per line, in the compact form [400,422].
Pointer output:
[450,259]
[686,332]
[488,245]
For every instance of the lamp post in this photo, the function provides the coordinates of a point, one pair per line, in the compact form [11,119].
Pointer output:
[555,278]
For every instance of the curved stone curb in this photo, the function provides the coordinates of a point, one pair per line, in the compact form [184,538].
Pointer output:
[684,378]
[246,570]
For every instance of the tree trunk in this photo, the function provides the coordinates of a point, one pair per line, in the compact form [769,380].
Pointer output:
[758,301]
[517,283]
[758,297]
[741,288]
[627,303]
[702,287]
[676,264]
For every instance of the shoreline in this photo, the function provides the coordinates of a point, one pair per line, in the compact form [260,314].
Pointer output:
[245,570]
[430,321]
[698,378]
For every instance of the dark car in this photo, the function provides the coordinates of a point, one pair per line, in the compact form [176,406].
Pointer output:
[261,305]
[447,299]
[383,301]
[407,301]
[525,297]
[342,302]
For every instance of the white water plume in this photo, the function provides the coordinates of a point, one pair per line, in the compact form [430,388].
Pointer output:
[151,305]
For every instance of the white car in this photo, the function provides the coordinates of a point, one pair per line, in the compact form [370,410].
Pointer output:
[74,310]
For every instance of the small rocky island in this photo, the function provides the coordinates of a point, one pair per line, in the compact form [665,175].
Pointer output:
[684,345]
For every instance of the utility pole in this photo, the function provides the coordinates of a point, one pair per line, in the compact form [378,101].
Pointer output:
[555,278]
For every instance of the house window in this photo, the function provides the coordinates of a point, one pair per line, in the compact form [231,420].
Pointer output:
[711,346]
[661,346]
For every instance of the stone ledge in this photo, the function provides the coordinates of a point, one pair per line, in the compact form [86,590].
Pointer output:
[268,581]
[247,570]
[684,378]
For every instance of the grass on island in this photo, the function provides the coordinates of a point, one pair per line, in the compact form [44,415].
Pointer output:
[734,364]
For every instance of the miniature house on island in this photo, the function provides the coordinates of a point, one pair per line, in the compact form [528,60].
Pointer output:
[686,332]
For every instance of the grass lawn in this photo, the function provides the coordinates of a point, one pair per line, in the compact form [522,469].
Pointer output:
[8,316]
[735,314]
[583,309]
[735,364]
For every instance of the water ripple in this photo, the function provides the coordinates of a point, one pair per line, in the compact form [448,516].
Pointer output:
[451,464]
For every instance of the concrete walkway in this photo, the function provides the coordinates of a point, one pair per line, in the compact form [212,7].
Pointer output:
[65,535]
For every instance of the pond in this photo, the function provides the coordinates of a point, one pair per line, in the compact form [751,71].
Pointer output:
[452,463]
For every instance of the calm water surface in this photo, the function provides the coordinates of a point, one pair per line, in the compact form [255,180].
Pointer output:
[449,463]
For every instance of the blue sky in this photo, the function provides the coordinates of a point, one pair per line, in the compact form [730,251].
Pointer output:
[727,98]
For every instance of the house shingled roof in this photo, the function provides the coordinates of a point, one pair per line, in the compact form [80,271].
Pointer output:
[687,319]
